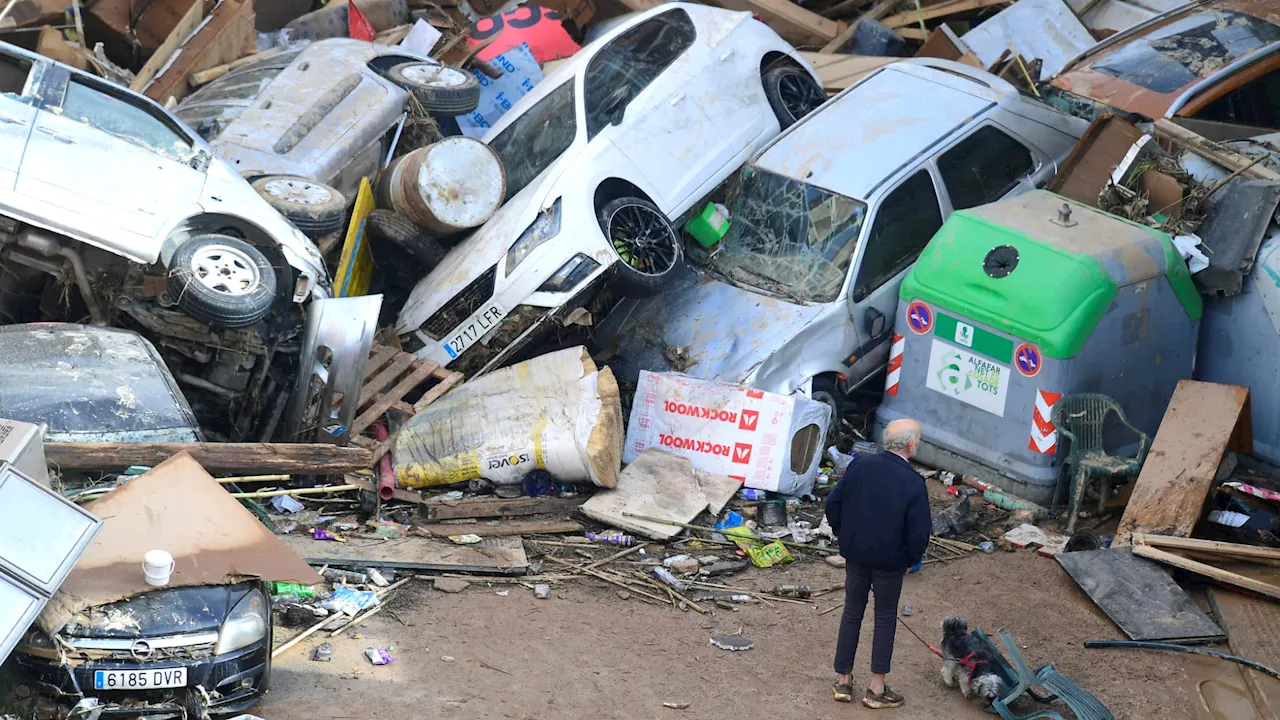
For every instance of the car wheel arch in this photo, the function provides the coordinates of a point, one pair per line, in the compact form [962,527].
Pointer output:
[222,224]
[774,58]
[613,188]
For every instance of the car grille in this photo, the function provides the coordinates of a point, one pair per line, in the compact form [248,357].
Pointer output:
[188,646]
[461,306]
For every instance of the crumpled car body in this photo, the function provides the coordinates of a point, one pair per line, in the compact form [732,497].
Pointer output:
[169,653]
[828,220]
[689,125]
[322,112]
[1213,61]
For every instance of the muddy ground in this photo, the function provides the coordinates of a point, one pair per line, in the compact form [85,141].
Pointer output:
[586,653]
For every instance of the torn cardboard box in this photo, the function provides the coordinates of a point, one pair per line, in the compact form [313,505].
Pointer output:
[660,485]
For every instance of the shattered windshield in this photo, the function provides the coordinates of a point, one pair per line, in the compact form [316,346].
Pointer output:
[537,138]
[1185,51]
[789,238]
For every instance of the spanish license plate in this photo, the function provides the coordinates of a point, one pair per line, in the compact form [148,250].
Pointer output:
[139,679]
[480,322]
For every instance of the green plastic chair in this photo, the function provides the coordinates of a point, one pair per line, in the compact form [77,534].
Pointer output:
[1080,419]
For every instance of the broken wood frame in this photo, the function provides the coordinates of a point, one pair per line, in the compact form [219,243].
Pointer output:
[390,377]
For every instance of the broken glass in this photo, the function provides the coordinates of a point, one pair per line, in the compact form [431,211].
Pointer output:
[790,238]
[537,138]
[1187,50]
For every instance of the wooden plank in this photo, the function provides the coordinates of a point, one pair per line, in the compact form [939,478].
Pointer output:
[526,527]
[177,36]
[500,556]
[1209,571]
[838,71]
[800,27]
[444,386]
[1212,151]
[309,458]
[1253,631]
[385,378]
[1203,422]
[226,36]
[1213,546]
[1140,597]
[378,359]
[933,12]
[370,416]
[877,11]
[434,509]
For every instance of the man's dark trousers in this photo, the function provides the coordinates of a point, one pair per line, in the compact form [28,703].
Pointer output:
[888,588]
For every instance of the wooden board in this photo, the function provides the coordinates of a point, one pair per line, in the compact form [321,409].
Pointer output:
[940,10]
[1212,572]
[434,509]
[796,25]
[1139,596]
[500,555]
[226,37]
[877,11]
[1088,167]
[837,71]
[1212,151]
[1214,547]
[512,528]
[257,458]
[1253,631]
[187,25]
[1203,422]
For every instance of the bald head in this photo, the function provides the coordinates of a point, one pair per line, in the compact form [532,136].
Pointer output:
[902,437]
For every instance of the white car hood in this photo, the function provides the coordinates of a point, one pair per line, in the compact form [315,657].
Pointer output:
[481,250]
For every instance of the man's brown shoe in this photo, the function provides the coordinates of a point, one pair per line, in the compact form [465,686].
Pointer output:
[843,692]
[886,699]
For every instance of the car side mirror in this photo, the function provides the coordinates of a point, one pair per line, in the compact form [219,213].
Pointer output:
[200,161]
[615,105]
[875,322]
[860,293]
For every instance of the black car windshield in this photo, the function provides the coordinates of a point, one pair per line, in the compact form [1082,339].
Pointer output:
[1186,50]
[789,238]
[537,138]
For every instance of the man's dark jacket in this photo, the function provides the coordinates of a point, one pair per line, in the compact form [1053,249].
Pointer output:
[879,512]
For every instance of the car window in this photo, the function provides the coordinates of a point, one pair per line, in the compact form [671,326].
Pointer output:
[13,76]
[537,138]
[1187,50]
[1253,103]
[907,219]
[631,61]
[983,167]
[124,120]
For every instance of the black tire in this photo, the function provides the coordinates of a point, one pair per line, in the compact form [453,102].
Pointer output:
[222,281]
[824,390]
[643,273]
[442,90]
[391,227]
[313,207]
[792,93]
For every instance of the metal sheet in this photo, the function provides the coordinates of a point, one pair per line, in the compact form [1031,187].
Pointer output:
[1236,221]
[1044,29]
[336,348]
[19,606]
[42,534]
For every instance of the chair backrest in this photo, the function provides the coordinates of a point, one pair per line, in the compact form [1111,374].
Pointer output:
[1083,415]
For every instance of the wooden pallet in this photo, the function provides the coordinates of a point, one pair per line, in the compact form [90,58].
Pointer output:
[390,376]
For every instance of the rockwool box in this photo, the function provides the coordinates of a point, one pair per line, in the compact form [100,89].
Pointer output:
[764,440]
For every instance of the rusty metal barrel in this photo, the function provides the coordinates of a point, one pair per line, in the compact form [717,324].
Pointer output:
[446,187]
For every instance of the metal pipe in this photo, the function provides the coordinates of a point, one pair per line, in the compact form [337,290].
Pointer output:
[82,281]
[1144,645]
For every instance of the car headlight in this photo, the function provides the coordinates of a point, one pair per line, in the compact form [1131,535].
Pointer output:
[543,228]
[246,625]
[570,274]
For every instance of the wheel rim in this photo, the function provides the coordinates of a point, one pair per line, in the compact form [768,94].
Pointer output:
[833,414]
[433,75]
[225,269]
[799,95]
[642,239]
[298,192]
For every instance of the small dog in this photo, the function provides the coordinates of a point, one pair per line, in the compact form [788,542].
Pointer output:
[968,663]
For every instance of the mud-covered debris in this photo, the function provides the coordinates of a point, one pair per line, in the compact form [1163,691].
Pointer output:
[323,653]
[451,585]
[732,643]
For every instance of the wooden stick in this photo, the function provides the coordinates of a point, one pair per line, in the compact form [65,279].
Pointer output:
[254,478]
[303,635]
[1213,546]
[611,581]
[1208,571]
[357,620]
[833,607]
[670,591]
[615,556]
[687,526]
[328,489]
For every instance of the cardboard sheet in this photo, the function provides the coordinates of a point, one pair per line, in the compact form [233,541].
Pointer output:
[177,507]
[662,485]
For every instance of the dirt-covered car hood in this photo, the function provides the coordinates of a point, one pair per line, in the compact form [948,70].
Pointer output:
[160,612]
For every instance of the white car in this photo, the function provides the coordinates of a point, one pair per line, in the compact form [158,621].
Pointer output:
[628,135]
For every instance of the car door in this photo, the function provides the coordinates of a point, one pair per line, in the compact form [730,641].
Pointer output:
[103,164]
[17,114]
[657,126]
[904,221]
[988,164]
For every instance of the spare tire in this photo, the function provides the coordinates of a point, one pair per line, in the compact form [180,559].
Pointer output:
[222,281]
[442,90]
[313,207]
[395,229]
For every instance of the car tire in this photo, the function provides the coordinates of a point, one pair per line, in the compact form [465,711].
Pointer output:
[394,228]
[441,89]
[792,93]
[222,281]
[644,263]
[313,207]
[824,390]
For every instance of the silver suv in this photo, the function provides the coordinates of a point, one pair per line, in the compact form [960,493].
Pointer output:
[829,217]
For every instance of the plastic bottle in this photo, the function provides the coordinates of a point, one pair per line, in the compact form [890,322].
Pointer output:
[987,546]
[294,589]
[665,576]
[752,494]
[792,591]
[612,538]
[673,560]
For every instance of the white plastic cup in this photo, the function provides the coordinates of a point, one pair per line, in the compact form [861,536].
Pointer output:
[157,566]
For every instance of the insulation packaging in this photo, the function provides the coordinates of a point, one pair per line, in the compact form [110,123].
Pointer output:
[763,440]
[556,412]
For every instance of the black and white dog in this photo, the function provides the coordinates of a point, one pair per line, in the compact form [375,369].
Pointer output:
[967,662]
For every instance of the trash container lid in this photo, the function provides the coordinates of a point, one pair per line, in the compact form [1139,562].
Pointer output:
[1016,266]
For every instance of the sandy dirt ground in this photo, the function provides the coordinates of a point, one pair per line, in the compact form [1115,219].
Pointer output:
[586,653]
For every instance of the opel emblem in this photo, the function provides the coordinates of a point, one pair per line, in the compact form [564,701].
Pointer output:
[140,650]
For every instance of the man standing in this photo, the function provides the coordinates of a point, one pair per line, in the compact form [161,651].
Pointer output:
[880,513]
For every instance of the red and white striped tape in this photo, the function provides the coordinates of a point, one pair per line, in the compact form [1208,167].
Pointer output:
[895,365]
[1044,436]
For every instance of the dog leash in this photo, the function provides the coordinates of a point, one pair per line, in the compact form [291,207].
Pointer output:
[968,661]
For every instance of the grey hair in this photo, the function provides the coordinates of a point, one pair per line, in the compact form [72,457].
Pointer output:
[899,435]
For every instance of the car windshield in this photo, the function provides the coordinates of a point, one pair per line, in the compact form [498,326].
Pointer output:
[537,138]
[790,238]
[212,108]
[1186,50]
